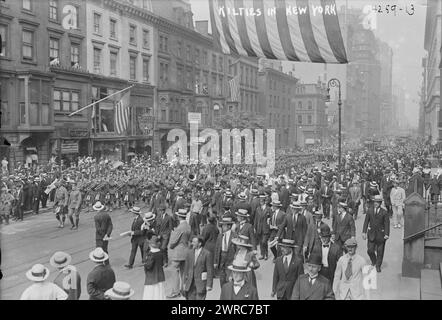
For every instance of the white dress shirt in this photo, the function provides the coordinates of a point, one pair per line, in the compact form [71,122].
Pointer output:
[238,286]
[197,253]
[325,255]
[287,259]
[44,291]
[225,240]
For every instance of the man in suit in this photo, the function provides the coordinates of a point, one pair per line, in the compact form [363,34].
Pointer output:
[20,201]
[354,199]
[288,267]
[377,225]
[294,226]
[347,284]
[328,251]
[239,289]
[217,200]
[306,211]
[157,200]
[164,227]
[198,271]
[102,277]
[244,227]
[284,197]
[36,194]
[416,183]
[180,202]
[254,204]
[178,246]
[224,249]
[138,236]
[313,286]
[343,225]
[103,226]
[312,237]
[262,227]
[326,195]
[277,218]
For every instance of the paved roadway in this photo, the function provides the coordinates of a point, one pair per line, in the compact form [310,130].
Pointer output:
[36,238]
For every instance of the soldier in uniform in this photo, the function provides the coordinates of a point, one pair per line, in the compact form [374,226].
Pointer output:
[60,203]
[74,206]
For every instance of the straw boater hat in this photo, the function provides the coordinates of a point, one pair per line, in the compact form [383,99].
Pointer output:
[239,266]
[98,206]
[181,213]
[242,213]
[135,210]
[226,220]
[342,203]
[377,198]
[296,205]
[243,241]
[229,194]
[149,216]
[263,195]
[318,213]
[60,259]
[120,291]
[294,196]
[276,203]
[373,184]
[351,243]
[98,255]
[287,243]
[38,273]
[242,196]
[254,192]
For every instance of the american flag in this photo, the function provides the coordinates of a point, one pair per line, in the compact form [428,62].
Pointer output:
[122,113]
[234,88]
[280,29]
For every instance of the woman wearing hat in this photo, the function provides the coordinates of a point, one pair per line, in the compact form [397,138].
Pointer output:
[244,251]
[154,284]
[102,277]
[42,289]
[119,291]
[68,278]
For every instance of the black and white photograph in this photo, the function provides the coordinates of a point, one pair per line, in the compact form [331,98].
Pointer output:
[220,150]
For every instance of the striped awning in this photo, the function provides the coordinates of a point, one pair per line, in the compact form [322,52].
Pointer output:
[295,30]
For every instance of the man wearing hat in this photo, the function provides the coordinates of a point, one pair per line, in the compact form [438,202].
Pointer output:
[293,226]
[328,251]
[312,236]
[35,192]
[157,199]
[354,198]
[288,267]
[164,226]
[224,249]
[415,183]
[377,225]
[68,277]
[262,226]
[239,288]
[42,289]
[102,277]
[74,205]
[347,284]
[312,285]
[120,291]
[180,202]
[276,219]
[178,245]
[343,225]
[242,203]
[217,201]
[60,203]
[198,271]
[326,195]
[254,204]
[244,227]
[138,235]
[397,197]
[103,226]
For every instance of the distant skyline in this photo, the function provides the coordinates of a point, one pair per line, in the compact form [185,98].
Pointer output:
[404,34]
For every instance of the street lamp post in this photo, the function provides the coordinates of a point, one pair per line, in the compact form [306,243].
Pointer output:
[336,83]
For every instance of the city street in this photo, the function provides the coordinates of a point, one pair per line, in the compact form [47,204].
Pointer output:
[36,238]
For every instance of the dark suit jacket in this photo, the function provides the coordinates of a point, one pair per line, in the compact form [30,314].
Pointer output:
[179,204]
[231,249]
[103,225]
[344,229]
[280,217]
[153,268]
[247,292]
[210,235]
[164,226]
[247,230]
[217,202]
[295,232]
[254,204]
[377,225]
[312,236]
[193,271]
[262,220]
[334,253]
[320,290]
[157,199]
[139,235]
[194,225]
[283,282]
[284,197]
[100,279]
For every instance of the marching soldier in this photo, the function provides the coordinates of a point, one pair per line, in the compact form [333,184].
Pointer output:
[74,206]
[60,203]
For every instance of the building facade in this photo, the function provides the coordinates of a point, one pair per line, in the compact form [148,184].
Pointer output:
[278,105]
[432,44]
[310,116]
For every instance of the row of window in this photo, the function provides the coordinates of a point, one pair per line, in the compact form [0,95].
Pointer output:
[113,31]
[114,64]
[275,120]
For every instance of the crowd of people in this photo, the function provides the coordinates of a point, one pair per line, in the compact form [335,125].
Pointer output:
[220,221]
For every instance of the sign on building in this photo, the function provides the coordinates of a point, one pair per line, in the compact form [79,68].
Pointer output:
[194,117]
[69,147]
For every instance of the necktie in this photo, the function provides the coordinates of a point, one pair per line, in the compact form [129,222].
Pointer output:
[286,263]
[349,271]
[310,280]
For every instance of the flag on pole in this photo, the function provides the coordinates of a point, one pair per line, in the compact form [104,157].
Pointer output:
[295,30]
[122,113]
[234,88]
